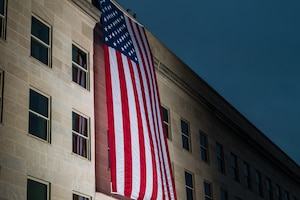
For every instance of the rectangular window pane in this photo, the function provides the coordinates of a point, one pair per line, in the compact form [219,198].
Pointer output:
[220,158]
[204,147]
[39,51]
[2,18]
[234,167]
[165,113]
[36,190]
[39,118]
[224,194]
[79,67]
[189,186]
[185,135]
[207,190]
[78,197]
[40,30]
[40,41]
[2,7]
[258,183]
[1,93]
[80,135]
[38,103]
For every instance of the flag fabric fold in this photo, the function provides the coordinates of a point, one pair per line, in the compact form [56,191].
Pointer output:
[139,157]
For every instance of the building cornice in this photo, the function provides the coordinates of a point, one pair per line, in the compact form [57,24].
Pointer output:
[237,122]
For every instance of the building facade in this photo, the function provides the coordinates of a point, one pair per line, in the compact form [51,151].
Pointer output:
[53,131]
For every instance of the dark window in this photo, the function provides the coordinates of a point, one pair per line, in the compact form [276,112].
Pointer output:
[40,41]
[189,186]
[37,190]
[220,158]
[79,67]
[185,135]
[79,197]
[234,167]
[278,192]
[247,176]
[1,93]
[258,183]
[165,113]
[269,189]
[3,18]
[286,195]
[224,194]
[39,115]
[80,134]
[207,191]
[204,147]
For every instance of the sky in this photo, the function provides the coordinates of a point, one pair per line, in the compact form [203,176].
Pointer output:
[248,51]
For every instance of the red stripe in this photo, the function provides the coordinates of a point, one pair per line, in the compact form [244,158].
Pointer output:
[126,127]
[154,171]
[141,135]
[111,124]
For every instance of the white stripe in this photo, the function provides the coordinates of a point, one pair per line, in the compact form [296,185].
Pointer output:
[117,112]
[133,130]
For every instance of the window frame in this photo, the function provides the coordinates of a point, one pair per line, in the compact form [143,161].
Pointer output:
[167,123]
[187,136]
[258,181]
[48,46]
[204,148]
[87,70]
[208,196]
[225,192]
[88,137]
[1,94]
[80,195]
[188,187]
[269,189]
[48,137]
[234,167]
[38,181]
[3,19]
[220,158]
[247,176]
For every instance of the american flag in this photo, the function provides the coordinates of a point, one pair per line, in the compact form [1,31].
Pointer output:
[139,157]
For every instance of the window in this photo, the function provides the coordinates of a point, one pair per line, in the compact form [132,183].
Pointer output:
[278,192]
[79,197]
[40,41]
[207,191]
[269,189]
[1,93]
[204,147]
[247,176]
[224,194]
[189,185]
[234,167]
[80,73]
[80,134]
[185,135]
[39,115]
[220,158]
[286,195]
[165,112]
[3,18]
[258,183]
[37,190]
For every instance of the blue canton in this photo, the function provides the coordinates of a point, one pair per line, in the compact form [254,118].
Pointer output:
[116,34]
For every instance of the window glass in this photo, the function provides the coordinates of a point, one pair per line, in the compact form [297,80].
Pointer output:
[39,119]
[207,191]
[78,197]
[1,93]
[79,67]
[224,194]
[203,147]
[189,186]
[36,190]
[40,41]
[80,135]
[185,135]
[166,121]
[2,7]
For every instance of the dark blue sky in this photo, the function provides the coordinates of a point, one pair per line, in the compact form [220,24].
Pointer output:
[248,51]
